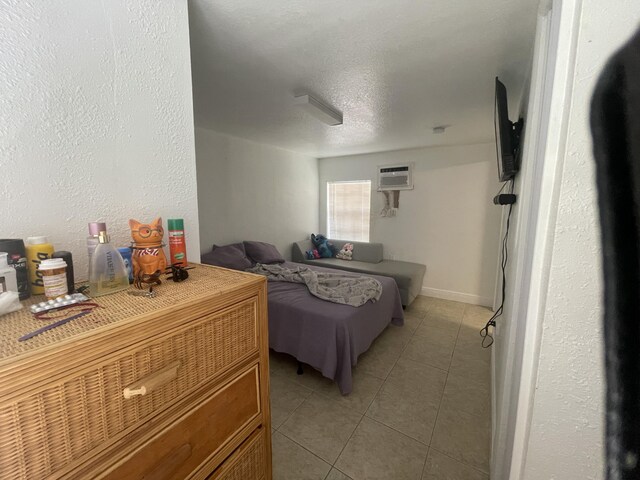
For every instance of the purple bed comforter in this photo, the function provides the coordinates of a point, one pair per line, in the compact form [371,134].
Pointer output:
[328,336]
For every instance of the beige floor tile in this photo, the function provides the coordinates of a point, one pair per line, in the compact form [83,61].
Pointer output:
[322,426]
[286,366]
[365,388]
[476,316]
[463,437]
[409,399]
[378,360]
[292,462]
[467,394]
[412,321]
[394,337]
[414,375]
[435,351]
[311,378]
[447,307]
[377,452]
[281,363]
[470,360]
[406,366]
[337,475]
[469,335]
[435,325]
[451,314]
[441,467]
[286,396]
[419,305]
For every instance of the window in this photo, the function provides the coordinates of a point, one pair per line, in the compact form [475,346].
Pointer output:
[348,206]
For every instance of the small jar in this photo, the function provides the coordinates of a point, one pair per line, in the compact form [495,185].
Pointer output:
[54,277]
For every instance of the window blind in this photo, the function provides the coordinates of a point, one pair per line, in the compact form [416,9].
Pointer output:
[348,207]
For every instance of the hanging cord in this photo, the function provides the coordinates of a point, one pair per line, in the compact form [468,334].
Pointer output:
[484,332]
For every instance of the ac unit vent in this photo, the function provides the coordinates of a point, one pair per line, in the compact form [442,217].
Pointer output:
[395,177]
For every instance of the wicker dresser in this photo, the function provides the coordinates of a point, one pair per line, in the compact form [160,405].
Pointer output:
[171,387]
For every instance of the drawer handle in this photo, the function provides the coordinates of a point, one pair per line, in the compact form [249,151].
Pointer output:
[149,383]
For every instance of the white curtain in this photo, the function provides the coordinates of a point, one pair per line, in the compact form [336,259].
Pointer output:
[348,207]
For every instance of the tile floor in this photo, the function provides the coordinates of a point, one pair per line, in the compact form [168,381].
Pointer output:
[420,406]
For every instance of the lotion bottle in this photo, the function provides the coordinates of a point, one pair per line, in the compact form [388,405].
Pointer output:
[108,273]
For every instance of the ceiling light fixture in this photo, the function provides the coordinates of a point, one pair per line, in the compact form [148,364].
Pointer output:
[319,110]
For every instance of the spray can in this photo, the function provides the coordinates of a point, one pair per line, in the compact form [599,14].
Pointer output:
[18,260]
[177,244]
[38,249]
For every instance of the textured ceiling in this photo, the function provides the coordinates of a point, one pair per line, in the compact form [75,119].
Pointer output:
[394,68]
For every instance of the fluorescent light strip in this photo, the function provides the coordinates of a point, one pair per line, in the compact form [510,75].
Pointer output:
[319,110]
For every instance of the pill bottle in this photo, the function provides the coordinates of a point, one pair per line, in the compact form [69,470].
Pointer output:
[54,277]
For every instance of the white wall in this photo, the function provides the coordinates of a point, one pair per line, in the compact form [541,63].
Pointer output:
[250,191]
[96,119]
[510,326]
[567,421]
[560,415]
[447,222]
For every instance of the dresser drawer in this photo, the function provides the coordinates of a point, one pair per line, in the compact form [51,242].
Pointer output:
[64,421]
[248,462]
[181,448]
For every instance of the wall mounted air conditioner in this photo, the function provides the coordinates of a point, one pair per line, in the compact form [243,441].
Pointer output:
[395,177]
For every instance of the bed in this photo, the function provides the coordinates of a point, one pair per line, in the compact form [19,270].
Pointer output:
[327,336]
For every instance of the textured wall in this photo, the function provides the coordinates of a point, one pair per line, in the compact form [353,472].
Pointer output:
[566,437]
[249,191]
[96,119]
[447,222]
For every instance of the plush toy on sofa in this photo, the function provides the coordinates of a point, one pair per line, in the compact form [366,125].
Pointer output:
[326,248]
[346,253]
[312,254]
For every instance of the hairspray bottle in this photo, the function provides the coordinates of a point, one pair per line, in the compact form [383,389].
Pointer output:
[177,244]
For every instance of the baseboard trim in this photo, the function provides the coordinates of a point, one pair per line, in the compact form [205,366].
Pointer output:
[457,296]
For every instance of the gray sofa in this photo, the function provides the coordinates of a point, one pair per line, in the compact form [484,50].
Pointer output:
[367,258]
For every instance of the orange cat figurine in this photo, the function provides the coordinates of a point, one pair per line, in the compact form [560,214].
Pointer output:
[148,258]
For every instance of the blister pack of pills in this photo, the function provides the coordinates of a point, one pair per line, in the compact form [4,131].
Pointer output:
[61,301]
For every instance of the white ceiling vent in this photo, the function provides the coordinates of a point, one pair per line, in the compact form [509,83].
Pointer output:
[395,177]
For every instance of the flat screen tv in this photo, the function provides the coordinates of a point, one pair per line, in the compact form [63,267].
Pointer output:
[507,136]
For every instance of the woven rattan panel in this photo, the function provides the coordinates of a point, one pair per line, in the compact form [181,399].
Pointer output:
[250,465]
[202,280]
[53,427]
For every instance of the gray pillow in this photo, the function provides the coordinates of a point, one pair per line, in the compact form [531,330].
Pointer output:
[261,252]
[229,256]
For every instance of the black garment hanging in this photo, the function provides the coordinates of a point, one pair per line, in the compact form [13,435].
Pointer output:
[615,126]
